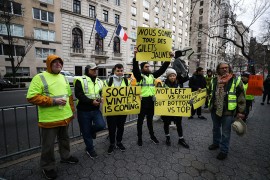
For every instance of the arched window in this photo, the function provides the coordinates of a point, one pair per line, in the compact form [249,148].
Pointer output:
[77,40]
[98,43]
[116,44]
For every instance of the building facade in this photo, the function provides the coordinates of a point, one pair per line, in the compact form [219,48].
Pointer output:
[172,14]
[35,26]
[204,25]
[81,43]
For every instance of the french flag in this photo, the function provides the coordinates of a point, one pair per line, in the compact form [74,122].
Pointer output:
[121,32]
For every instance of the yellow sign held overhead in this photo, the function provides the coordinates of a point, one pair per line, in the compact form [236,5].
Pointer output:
[173,102]
[153,44]
[121,100]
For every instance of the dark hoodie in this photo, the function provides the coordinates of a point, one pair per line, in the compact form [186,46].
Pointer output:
[197,81]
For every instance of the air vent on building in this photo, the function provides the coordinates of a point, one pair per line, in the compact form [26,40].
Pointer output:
[43,5]
[45,42]
[44,24]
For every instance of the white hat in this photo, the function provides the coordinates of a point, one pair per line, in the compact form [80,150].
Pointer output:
[92,66]
[170,71]
[239,126]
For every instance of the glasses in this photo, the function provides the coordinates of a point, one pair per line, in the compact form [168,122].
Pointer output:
[224,67]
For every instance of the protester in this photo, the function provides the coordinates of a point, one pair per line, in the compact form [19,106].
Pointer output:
[266,90]
[88,92]
[249,98]
[145,79]
[171,82]
[197,82]
[227,99]
[51,92]
[208,79]
[116,123]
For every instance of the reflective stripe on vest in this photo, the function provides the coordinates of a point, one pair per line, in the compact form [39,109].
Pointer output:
[232,94]
[54,86]
[232,103]
[148,86]
[248,97]
[90,89]
[123,84]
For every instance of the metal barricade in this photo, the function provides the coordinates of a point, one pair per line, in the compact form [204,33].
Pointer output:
[19,131]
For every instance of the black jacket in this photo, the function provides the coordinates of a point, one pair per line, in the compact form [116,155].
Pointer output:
[266,85]
[196,82]
[85,104]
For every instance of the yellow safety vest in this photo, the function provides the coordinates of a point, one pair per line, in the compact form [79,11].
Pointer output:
[248,97]
[123,84]
[54,86]
[232,99]
[148,86]
[90,89]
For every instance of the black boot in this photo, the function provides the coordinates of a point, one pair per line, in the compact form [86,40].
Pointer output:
[168,141]
[183,143]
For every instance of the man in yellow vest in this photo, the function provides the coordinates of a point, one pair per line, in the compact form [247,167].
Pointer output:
[145,78]
[50,90]
[116,123]
[249,98]
[88,92]
[226,100]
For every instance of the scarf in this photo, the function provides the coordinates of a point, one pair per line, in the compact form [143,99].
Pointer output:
[220,93]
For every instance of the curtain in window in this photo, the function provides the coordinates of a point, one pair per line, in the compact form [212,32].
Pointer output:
[116,45]
[77,38]
[98,42]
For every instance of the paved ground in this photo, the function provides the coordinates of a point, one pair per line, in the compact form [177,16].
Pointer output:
[249,156]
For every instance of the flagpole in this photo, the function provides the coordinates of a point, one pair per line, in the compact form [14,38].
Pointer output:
[112,35]
[92,29]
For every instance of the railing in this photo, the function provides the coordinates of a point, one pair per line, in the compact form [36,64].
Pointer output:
[99,53]
[77,50]
[117,54]
[19,131]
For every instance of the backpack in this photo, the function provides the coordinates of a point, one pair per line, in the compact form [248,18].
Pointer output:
[111,81]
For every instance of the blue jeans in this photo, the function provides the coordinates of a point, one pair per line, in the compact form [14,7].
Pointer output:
[90,122]
[222,131]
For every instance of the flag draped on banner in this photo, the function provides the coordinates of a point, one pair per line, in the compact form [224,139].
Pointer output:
[102,32]
[121,32]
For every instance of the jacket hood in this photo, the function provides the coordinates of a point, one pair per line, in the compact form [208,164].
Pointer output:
[49,61]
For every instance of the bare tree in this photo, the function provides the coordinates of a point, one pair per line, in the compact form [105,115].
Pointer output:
[229,18]
[9,11]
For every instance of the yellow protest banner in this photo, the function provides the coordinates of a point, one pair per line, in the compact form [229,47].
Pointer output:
[199,98]
[255,85]
[153,44]
[121,100]
[173,102]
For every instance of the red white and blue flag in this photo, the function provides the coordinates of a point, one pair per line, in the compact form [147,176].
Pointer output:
[121,32]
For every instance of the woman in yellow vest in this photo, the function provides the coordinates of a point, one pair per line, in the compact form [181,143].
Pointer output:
[249,98]
[50,90]
[171,82]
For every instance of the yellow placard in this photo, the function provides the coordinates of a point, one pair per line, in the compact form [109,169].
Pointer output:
[153,44]
[199,98]
[173,102]
[121,100]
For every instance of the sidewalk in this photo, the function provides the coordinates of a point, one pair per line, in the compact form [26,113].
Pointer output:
[249,156]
